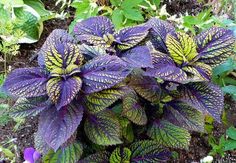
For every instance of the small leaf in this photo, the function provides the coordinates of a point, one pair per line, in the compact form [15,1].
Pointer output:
[103,128]
[231,132]
[115,2]
[133,110]
[99,101]
[169,135]
[230,145]
[133,14]
[58,126]
[120,155]
[182,49]
[148,151]
[127,4]
[101,157]
[117,18]
[231,89]
[69,154]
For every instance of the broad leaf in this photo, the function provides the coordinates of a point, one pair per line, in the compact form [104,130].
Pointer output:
[61,91]
[129,37]
[103,72]
[99,101]
[103,128]
[138,57]
[215,45]
[127,129]
[94,30]
[165,68]
[26,82]
[184,116]
[101,157]
[182,49]
[28,107]
[205,97]
[120,155]
[69,154]
[148,151]
[146,86]
[158,33]
[58,126]
[133,110]
[169,135]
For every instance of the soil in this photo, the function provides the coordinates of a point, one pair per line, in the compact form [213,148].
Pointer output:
[24,137]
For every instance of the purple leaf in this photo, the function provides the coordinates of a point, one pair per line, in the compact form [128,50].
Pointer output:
[59,125]
[62,91]
[55,37]
[26,82]
[138,57]
[103,72]
[158,32]
[215,45]
[183,115]
[205,97]
[165,68]
[131,36]
[93,30]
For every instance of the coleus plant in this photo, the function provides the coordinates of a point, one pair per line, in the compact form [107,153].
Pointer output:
[144,87]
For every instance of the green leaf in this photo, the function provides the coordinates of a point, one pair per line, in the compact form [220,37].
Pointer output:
[69,154]
[117,18]
[230,89]
[120,155]
[231,132]
[7,152]
[230,145]
[169,135]
[115,2]
[148,151]
[127,129]
[28,23]
[97,157]
[38,6]
[133,14]
[229,65]
[12,3]
[5,16]
[133,110]
[101,100]
[103,128]
[128,4]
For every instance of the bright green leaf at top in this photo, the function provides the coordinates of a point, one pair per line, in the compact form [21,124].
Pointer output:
[69,154]
[127,4]
[117,18]
[133,14]
[12,3]
[115,2]
[169,135]
[231,132]
[38,6]
[120,155]
[182,49]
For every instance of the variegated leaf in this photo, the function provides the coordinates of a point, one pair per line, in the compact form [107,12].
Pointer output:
[61,91]
[129,37]
[138,57]
[183,115]
[205,97]
[169,134]
[55,37]
[101,157]
[59,125]
[61,55]
[26,82]
[181,48]
[198,72]
[215,45]
[69,154]
[165,68]
[120,155]
[103,128]
[133,110]
[95,31]
[146,86]
[99,101]
[158,33]
[28,107]
[103,72]
[148,151]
